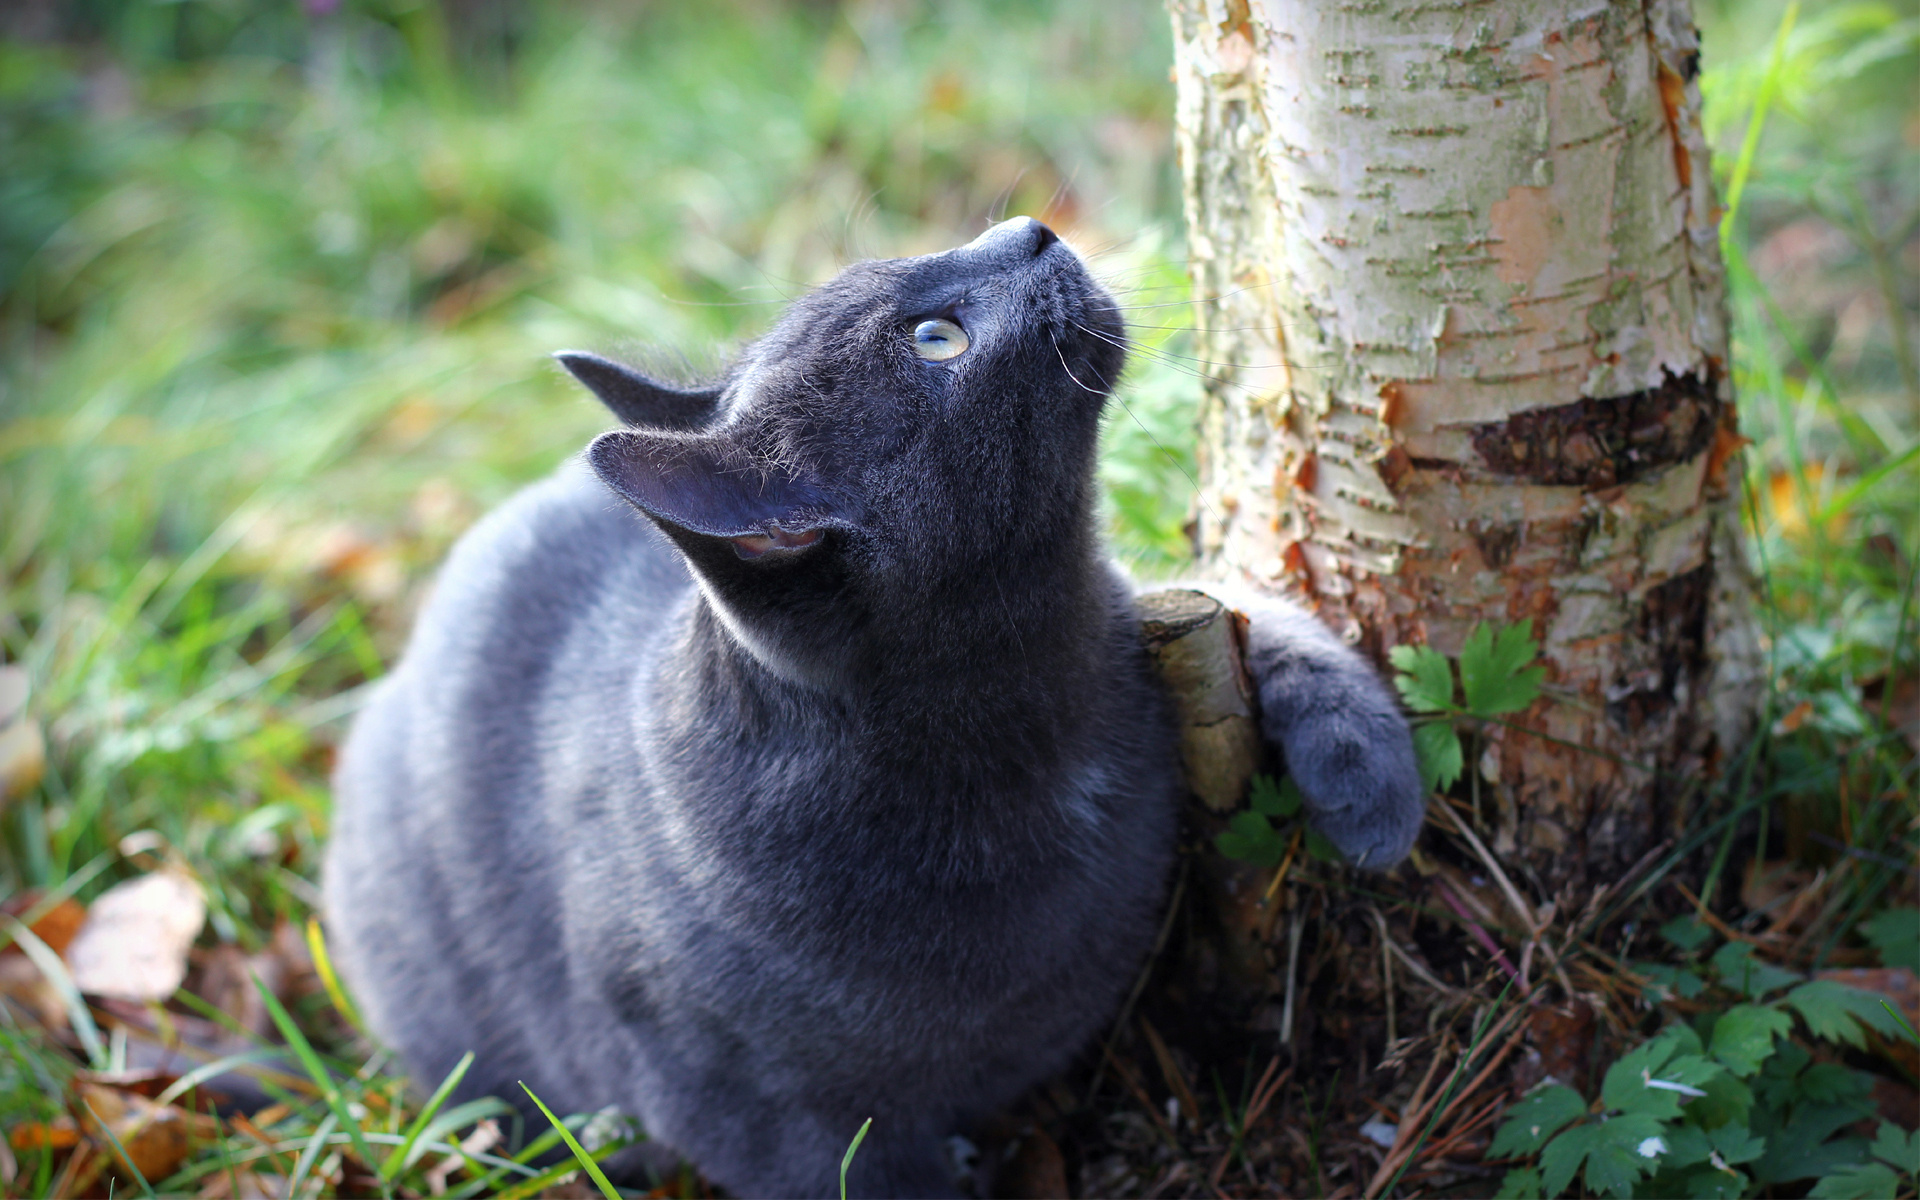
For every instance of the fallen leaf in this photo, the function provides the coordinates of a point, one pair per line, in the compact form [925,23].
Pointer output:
[61,1133]
[153,1136]
[1035,1171]
[55,927]
[243,1185]
[1794,719]
[134,943]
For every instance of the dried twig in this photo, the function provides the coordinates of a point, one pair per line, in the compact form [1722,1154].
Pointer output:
[1170,1071]
[1294,924]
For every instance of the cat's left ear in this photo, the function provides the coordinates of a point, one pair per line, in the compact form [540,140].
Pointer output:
[709,486]
[638,400]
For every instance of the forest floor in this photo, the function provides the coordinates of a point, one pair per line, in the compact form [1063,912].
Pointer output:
[277,286]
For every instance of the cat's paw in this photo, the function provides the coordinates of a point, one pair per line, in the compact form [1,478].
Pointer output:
[1360,779]
[1339,728]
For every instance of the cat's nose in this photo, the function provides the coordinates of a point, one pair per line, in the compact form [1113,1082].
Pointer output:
[1022,236]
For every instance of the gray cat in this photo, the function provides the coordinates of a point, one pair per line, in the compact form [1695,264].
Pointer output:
[838,786]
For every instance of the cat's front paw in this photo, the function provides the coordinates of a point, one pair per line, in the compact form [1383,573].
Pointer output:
[1361,782]
[1340,730]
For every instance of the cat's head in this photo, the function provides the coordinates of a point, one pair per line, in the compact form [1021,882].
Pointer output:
[915,424]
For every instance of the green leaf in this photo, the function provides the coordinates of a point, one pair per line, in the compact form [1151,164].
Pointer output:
[1895,932]
[1726,1105]
[1425,680]
[1494,675]
[1535,1119]
[1833,1083]
[1898,1150]
[1686,933]
[1734,1144]
[1687,1146]
[1521,1183]
[1319,847]
[1669,980]
[1656,1078]
[1836,1012]
[1743,1036]
[1272,799]
[1437,747]
[1864,1181]
[1250,838]
[1738,969]
[1616,1153]
[1712,1183]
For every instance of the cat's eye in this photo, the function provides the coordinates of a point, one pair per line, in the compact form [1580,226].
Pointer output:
[938,341]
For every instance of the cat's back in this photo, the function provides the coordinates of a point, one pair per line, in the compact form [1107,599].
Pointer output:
[436,819]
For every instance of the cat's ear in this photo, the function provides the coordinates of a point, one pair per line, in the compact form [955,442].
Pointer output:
[638,400]
[709,486]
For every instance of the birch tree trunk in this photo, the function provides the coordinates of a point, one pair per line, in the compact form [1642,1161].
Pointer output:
[1460,295]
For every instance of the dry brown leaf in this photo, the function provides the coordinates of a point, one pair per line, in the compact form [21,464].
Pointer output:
[153,1136]
[135,941]
[1035,1172]
[252,1185]
[61,1133]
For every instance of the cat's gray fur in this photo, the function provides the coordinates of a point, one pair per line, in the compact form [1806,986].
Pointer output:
[840,786]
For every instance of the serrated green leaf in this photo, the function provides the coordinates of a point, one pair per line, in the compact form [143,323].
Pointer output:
[1535,1119]
[1494,673]
[1836,1012]
[1425,679]
[1687,1146]
[1615,1154]
[1711,1183]
[1521,1183]
[1864,1181]
[1658,1077]
[1726,1105]
[1895,932]
[1249,838]
[1898,1150]
[1735,1144]
[1738,969]
[1281,799]
[1686,933]
[1665,981]
[1833,1083]
[1743,1036]
[1437,747]
[1319,847]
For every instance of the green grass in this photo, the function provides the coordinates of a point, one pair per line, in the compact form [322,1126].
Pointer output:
[277,291]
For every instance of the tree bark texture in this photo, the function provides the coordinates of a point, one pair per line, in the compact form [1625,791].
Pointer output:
[1461,304]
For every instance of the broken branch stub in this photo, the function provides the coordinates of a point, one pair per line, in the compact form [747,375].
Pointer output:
[1198,643]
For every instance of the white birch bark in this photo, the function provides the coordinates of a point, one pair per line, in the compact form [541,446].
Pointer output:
[1459,287]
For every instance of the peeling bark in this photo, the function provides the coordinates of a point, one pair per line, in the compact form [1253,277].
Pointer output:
[1459,285]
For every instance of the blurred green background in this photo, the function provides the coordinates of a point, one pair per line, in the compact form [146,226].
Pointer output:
[278,282]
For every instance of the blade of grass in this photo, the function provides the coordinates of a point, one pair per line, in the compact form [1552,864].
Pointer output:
[1757,121]
[847,1159]
[324,1081]
[403,1153]
[139,1176]
[310,1154]
[207,1070]
[51,966]
[323,966]
[585,1160]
